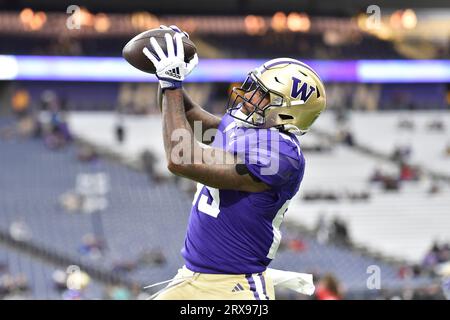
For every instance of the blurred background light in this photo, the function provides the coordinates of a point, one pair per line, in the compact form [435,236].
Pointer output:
[218,70]
[80,143]
[298,22]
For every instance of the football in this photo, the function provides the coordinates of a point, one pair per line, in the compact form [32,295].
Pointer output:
[132,52]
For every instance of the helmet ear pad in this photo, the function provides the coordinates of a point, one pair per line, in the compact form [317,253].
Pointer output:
[300,116]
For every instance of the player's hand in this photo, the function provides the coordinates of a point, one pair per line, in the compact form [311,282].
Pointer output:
[171,68]
[194,61]
[174,28]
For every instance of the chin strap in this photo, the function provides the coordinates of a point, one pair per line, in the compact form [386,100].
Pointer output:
[238,116]
[292,129]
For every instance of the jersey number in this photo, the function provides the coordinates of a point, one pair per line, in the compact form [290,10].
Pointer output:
[211,209]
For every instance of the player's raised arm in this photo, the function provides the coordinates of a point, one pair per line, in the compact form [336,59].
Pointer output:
[194,112]
[220,170]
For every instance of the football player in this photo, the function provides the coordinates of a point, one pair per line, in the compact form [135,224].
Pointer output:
[245,185]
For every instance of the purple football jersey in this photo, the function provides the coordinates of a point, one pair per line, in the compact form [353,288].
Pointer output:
[237,232]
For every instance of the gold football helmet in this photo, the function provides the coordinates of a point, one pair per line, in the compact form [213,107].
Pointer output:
[296,96]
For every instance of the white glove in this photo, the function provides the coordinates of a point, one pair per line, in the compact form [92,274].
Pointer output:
[171,70]
[174,28]
[299,282]
[194,61]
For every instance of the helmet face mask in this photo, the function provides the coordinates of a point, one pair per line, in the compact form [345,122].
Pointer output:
[283,93]
[253,100]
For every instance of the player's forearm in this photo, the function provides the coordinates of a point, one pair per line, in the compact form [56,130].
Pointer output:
[175,125]
[188,103]
[208,120]
[196,113]
[221,172]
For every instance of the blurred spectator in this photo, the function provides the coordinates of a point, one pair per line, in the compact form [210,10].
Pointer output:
[48,101]
[436,125]
[149,159]
[59,278]
[86,153]
[322,230]
[320,195]
[390,183]
[14,287]
[342,115]
[20,231]
[118,293]
[437,255]
[143,296]
[334,231]
[20,103]
[446,286]
[434,188]
[366,97]
[72,295]
[28,126]
[335,196]
[377,176]
[447,149]
[408,173]
[297,245]
[71,202]
[406,124]
[405,272]
[358,196]
[59,134]
[346,137]
[71,283]
[339,232]
[91,246]
[55,127]
[119,131]
[319,148]
[76,282]
[124,266]
[328,288]
[430,292]
[153,257]
[401,153]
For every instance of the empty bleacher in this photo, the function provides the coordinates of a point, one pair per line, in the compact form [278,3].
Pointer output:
[412,212]
[380,131]
[340,170]
[144,215]
[37,276]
